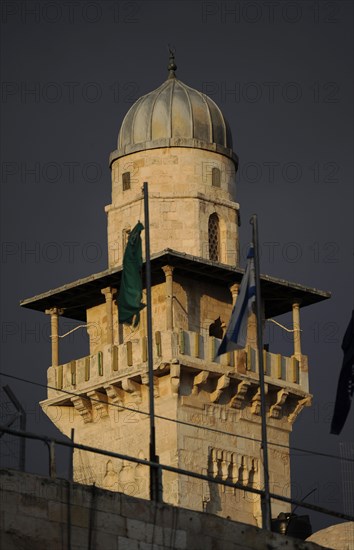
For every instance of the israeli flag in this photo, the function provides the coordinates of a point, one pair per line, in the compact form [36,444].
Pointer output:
[236,333]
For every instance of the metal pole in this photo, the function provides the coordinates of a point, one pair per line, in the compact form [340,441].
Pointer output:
[70,480]
[265,501]
[23,417]
[155,486]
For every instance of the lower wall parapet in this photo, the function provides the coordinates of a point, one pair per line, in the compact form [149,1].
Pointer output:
[39,513]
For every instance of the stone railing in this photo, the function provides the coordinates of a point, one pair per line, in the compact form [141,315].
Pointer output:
[114,361]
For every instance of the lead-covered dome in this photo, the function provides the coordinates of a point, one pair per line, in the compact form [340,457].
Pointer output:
[174,115]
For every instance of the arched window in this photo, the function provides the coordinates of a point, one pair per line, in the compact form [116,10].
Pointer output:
[215,329]
[214,237]
[215,177]
[126,180]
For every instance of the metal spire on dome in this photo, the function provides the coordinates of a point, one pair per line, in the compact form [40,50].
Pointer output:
[172,67]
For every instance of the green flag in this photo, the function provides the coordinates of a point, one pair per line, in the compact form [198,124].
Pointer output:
[131,288]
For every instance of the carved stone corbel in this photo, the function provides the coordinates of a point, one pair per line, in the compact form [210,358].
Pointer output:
[83,407]
[130,386]
[145,380]
[98,402]
[256,400]
[239,397]
[115,394]
[223,383]
[175,377]
[133,388]
[301,403]
[276,408]
[199,380]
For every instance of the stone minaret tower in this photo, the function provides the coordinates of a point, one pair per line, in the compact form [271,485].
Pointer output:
[178,140]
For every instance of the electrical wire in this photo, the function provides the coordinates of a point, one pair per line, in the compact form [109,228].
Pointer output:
[173,469]
[182,422]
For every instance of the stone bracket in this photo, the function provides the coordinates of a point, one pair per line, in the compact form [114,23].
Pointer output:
[256,400]
[130,386]
[83,407]
[199,380]
[238,399]
[223,383]
[98,402]
[115,394]
[145,380]
[276,409]
[300,404]
[133,388]
[175,377]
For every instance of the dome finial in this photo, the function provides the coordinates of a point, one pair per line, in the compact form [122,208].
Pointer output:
[172,67]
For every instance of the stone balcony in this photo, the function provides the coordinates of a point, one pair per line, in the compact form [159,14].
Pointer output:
[118,369]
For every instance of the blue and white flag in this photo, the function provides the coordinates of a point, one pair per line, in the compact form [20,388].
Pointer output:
[236,333]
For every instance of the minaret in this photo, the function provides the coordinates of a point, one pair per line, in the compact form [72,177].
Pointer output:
[208,411]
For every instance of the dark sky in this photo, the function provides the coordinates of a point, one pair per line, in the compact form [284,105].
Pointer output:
[282,74]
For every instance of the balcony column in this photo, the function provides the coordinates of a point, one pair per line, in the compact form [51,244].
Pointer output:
[234,288]
[297,332]
[168,270]
[108,293]
[54,313]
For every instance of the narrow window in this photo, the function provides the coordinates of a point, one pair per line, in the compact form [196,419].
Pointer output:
[215,177]
[214,237]
[126,180]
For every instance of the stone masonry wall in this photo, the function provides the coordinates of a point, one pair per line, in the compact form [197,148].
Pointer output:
[34,516]
[181,199]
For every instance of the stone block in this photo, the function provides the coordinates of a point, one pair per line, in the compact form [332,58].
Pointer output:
[125,543]
[198,542]
[180,539]
[104,541]
[36,528]
[139,530]
[110,523]
[133,508]
[56,511]
[33,505]
[79,535]
[80,516]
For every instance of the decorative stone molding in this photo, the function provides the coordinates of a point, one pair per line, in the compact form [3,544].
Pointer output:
[220,413]
[83,407]
[235,467]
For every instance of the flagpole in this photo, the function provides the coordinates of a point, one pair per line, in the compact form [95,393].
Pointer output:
[265,500]
[155,485]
